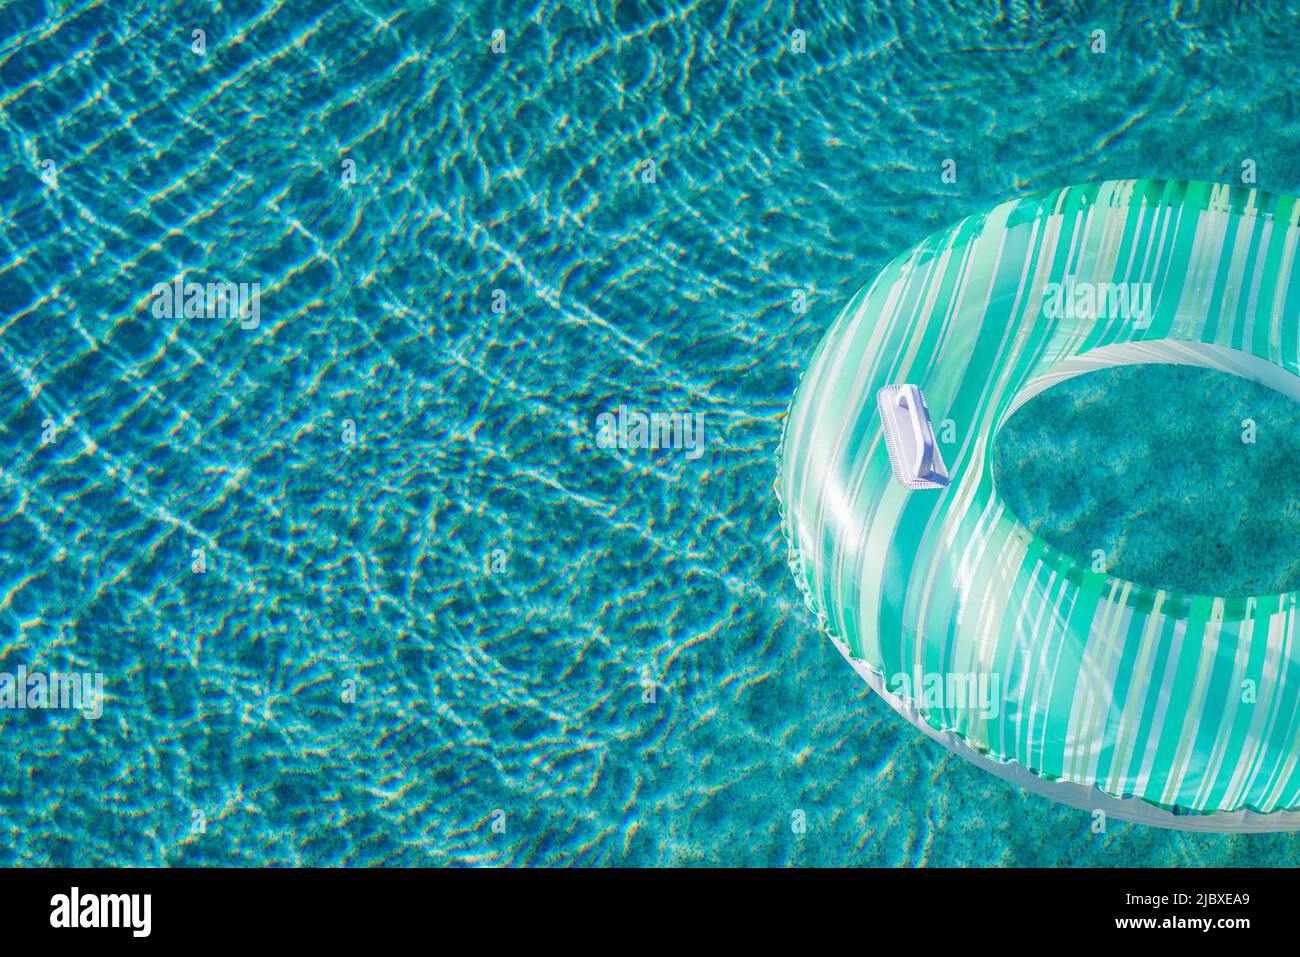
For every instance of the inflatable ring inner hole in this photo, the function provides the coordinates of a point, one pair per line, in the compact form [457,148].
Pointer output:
[1163,351]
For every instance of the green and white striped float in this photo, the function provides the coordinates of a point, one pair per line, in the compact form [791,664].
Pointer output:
[1171,709]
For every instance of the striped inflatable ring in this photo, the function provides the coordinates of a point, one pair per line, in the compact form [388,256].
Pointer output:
[1109,695]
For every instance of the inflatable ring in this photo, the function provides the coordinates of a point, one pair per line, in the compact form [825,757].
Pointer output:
[1109,695]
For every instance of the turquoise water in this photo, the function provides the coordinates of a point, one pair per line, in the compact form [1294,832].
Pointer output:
[430,595]
[1172,476]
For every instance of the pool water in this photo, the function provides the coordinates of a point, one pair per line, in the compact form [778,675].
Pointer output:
[1172,476]
[364,581]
